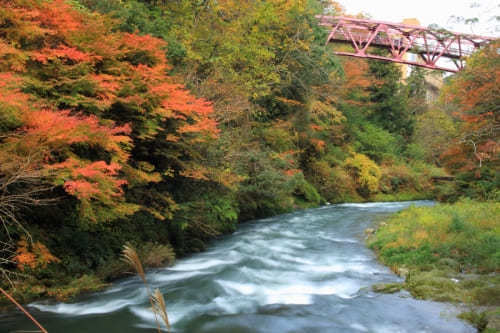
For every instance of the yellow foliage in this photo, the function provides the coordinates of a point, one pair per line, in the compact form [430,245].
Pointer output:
[324,111]
[365,171]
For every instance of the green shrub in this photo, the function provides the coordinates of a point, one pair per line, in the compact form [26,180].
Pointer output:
[414,151]
[278,139]
[477,319]
[307,192]
[376,142]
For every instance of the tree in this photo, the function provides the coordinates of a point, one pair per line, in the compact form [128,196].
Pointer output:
[416,91]
[473,94]
[390,109]
[92,101]
[434,130]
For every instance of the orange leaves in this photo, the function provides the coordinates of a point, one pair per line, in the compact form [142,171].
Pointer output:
[292,172]
[99,168]
[456,158]
[80,73]
[49,17]
[290,102]
[61,52]
[10,57]
[319,145]
[289,162]
[154,76]
[33,255]
[175,101]
[59,15]
[135,70]
[316,128]
[179,99]
[208,126]
[9,80]
[226,177]
[81,189]
[90,180]
[147,43]
[473,93]
[180,104]
[107,83]
[356,73]
[357,80]
[58,129]
[477,88]
[54,128]
[52,134]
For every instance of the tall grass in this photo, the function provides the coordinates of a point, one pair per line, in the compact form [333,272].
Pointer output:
[158,306]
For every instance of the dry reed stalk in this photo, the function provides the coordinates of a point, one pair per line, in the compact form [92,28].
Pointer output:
[132,258]
[129,255]
[160,307]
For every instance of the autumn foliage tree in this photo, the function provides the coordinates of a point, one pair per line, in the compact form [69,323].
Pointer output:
[473,97]
[90,100]
[92,115]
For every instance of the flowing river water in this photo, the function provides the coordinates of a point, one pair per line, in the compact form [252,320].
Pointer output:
[308,271]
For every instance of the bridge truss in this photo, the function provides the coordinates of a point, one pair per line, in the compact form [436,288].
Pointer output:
[428,45]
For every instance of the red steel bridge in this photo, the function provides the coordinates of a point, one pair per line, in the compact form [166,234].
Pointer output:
[428,45]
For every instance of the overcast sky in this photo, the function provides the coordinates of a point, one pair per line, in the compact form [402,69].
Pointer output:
[432,12]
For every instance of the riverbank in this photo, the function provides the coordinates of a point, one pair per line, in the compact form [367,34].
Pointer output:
[448,253]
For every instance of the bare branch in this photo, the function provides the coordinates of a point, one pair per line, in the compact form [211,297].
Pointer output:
[23,184]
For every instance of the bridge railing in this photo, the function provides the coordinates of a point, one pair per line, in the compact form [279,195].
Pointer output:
[429,44]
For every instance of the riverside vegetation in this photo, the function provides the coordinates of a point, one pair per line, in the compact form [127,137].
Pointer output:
[164,124]
[450,253]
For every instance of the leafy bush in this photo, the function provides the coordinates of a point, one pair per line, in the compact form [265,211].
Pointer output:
[415,151]
[278,139]
[333,183]
[366,173]
[376,142]
[306,192]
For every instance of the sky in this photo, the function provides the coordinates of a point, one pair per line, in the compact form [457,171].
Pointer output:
[433,12]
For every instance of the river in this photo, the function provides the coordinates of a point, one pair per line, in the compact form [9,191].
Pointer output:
[307,271]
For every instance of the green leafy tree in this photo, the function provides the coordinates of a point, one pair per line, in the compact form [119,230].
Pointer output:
[390,109]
